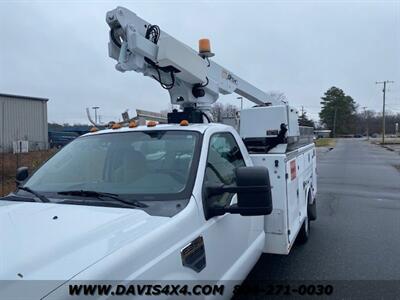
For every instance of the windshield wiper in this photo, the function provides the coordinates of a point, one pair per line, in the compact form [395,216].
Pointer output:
[41,197]
[99,195]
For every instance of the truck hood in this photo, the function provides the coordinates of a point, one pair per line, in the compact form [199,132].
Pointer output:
[57,241]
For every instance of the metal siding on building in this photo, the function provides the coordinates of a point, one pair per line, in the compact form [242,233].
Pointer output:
[23,119]
[2,116]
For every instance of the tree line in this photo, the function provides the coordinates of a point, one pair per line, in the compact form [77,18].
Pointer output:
[339,113]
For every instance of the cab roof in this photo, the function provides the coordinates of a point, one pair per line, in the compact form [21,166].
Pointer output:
[191,127]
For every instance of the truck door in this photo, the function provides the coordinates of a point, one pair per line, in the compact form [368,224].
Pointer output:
[228,237]
[292,183]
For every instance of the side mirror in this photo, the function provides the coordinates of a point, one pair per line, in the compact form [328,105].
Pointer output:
[254,195]
[22,174]
[253,191]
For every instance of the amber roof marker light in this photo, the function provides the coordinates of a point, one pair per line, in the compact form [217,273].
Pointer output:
[184,123]
[116,126]
[151,124]
[133,124]
[205,48]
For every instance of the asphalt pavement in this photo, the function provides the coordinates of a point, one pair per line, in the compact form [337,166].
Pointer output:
[357,233]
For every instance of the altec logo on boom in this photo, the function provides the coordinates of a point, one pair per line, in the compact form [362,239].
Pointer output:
[228,76]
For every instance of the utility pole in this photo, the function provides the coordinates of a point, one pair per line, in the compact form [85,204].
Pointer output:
[366,120]
[241,102]
[383,109]
[95,113]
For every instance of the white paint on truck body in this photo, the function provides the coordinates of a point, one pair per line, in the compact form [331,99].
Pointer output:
[292,179]
[265,121]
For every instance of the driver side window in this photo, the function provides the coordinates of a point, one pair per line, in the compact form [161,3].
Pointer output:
[223,158]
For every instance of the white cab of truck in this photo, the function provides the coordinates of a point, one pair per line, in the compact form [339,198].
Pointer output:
[146,203]
[160,232]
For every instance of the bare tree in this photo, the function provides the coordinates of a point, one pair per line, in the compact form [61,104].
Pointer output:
[230,110]
[276,96]
[220,111]
[217,112]
[373,121]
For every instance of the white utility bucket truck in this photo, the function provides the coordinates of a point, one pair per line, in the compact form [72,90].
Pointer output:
[189,200]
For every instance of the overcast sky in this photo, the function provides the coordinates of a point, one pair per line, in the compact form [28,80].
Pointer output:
[58,50]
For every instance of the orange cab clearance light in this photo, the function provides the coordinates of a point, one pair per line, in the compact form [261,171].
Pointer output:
[116,126]
[132,124]
[94,129]
[151,123]
[184,123]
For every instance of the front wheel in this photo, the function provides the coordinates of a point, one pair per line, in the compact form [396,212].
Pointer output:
[304,233]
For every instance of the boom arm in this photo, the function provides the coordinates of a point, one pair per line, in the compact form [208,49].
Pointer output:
[193,81]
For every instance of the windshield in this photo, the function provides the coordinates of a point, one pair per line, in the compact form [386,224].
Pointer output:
[150,164]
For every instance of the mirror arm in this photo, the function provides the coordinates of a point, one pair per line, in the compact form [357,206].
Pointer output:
[235,209]
[220,189]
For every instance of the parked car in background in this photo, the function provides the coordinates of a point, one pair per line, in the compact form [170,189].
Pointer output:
[58,139]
